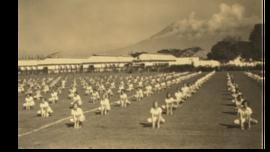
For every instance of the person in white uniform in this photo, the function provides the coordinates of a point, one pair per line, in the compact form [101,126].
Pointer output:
[156,116]
[109,92]
[45,109]
[148,90]
[72,91]
[88,90]
[245,113]
[63,84]
[130,87]
[95,96]
[29,102]
[38,95]
[76,100]
[77,116]
[46,88]
[124,99]
[169,104]
[54,97]
[105,106]
[139,94]
[179,95]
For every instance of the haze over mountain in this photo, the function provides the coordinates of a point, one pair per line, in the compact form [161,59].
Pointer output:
[82,28]
[193,32]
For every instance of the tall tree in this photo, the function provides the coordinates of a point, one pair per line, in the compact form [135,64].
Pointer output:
[256,41]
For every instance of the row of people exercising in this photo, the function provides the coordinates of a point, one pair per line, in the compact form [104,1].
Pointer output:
[46,110]
[41,90]
[105,106]
[244,112]
[181,95]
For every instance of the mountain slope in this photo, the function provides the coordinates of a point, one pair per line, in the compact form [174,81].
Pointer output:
[191,32]
[174,41]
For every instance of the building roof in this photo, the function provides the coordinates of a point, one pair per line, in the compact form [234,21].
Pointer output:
[27,62]
[53,61]
[109,59]
[91,59]
[156,57]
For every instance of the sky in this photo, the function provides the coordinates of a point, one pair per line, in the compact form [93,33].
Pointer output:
[46,26]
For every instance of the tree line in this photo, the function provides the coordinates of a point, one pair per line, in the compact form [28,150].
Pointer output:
[231,47]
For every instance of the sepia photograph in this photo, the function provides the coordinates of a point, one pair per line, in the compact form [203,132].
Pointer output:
[141,74]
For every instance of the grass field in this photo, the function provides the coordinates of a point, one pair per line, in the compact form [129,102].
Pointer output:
[204,121]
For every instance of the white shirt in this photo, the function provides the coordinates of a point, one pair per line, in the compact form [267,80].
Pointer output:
[156,111]
[245,113]
[169,100]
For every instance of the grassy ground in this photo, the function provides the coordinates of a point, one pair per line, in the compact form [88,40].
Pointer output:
[204,121]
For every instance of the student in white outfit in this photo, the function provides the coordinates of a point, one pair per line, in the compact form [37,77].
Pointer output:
[109,92]
[76,100]
[46,88]
[169,104]
[21,88]
[156,116]
[124,99]
[29,102]
[245,113]
[238,102]
[95,96]
[105,106]
[139,94]
[38,95]
[63,84]
[88,90]
[77,116]
[45,109]
[54,97]
[148,90]
[179,95]
[130,87]
[72,91]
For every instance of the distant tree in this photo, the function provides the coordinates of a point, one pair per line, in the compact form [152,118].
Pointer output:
[231,47]
[223,51]
[181,52]
[232,39]
[256,41]
[136,54]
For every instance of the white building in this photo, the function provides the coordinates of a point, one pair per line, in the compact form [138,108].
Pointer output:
[239,62]
[101,63]
[28,65]
[155,59]
[206,63]
[93,63]
[58,65]
[185,61]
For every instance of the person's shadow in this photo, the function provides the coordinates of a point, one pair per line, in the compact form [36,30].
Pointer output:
[70,124]
[145,124]
[229,126]
[230,113]
[230,105]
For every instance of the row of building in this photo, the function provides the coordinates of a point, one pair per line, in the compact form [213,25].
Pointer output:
[110,63]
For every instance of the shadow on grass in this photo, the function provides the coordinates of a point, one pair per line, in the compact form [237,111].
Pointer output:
[98,112]
[229,112]
[229,104]
[146,125]
[229,126]
[228,98]
[226,93]
[116,105]
[70,125]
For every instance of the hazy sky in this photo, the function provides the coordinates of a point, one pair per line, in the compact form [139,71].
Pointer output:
[80,25]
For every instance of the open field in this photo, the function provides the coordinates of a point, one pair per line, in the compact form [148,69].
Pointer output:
[204,121]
